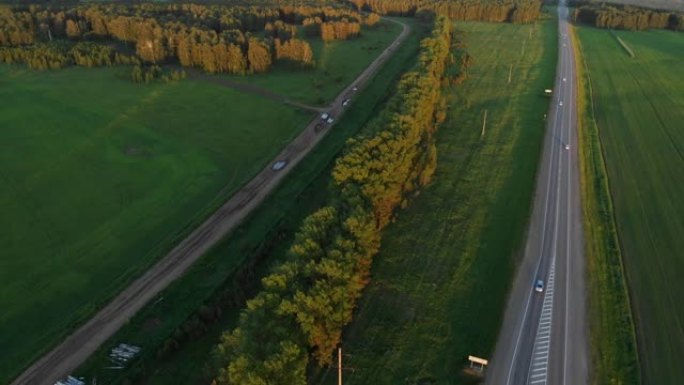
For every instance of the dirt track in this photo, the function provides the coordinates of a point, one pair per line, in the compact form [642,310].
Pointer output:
[248,88]
[76,348]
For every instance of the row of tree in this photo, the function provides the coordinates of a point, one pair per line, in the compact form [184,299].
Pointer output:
[298,51]
[617,16]
[339,30]
[53,56]
[149,74]
[515,11]
[305,302]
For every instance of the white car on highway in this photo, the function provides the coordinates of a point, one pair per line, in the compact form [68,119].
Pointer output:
[560,104]
[567,146]
[539,286]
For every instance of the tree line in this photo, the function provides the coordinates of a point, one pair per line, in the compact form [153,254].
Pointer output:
[628,17]
[514,11]
[215,38]
[299,313]
[53,56]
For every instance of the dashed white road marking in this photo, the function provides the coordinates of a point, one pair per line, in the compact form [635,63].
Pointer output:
[542,340]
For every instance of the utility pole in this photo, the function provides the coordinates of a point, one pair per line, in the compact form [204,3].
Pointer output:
[523,48]
[340,368]
[484,124]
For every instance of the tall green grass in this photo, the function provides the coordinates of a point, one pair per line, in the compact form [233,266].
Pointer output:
[639,113]
[439,284]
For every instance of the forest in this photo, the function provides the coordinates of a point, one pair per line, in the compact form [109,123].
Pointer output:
[628,17]
[514,11]
[298,315]
[214,38]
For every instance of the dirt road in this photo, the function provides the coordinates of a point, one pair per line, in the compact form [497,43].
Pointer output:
[248,88]
[76,348]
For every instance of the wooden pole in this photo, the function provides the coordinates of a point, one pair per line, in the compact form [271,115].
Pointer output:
[523,48]
[339,365]
[484,124]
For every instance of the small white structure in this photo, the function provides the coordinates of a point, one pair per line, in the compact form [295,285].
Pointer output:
[123,353]
[477,363]
[548,91]
[70,381]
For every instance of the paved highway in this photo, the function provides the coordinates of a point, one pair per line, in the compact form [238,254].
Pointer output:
[543,339]
[69,354]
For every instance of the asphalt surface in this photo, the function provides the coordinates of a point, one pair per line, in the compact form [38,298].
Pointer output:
[77,347]
[543,339]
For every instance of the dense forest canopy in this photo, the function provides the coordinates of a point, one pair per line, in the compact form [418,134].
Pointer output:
[662,5]
[216,38]
[515,11]
[617,16]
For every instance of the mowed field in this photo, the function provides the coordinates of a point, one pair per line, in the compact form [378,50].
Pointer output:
[639,109]
[100,177]
[438,286]
[337,64]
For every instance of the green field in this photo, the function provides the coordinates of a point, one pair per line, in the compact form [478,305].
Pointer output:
[99,178]
[613,349]
[439,284]
[639,110]
[237,263]
[337,64]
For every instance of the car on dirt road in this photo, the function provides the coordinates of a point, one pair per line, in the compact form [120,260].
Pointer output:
[279,165]
[346,103]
